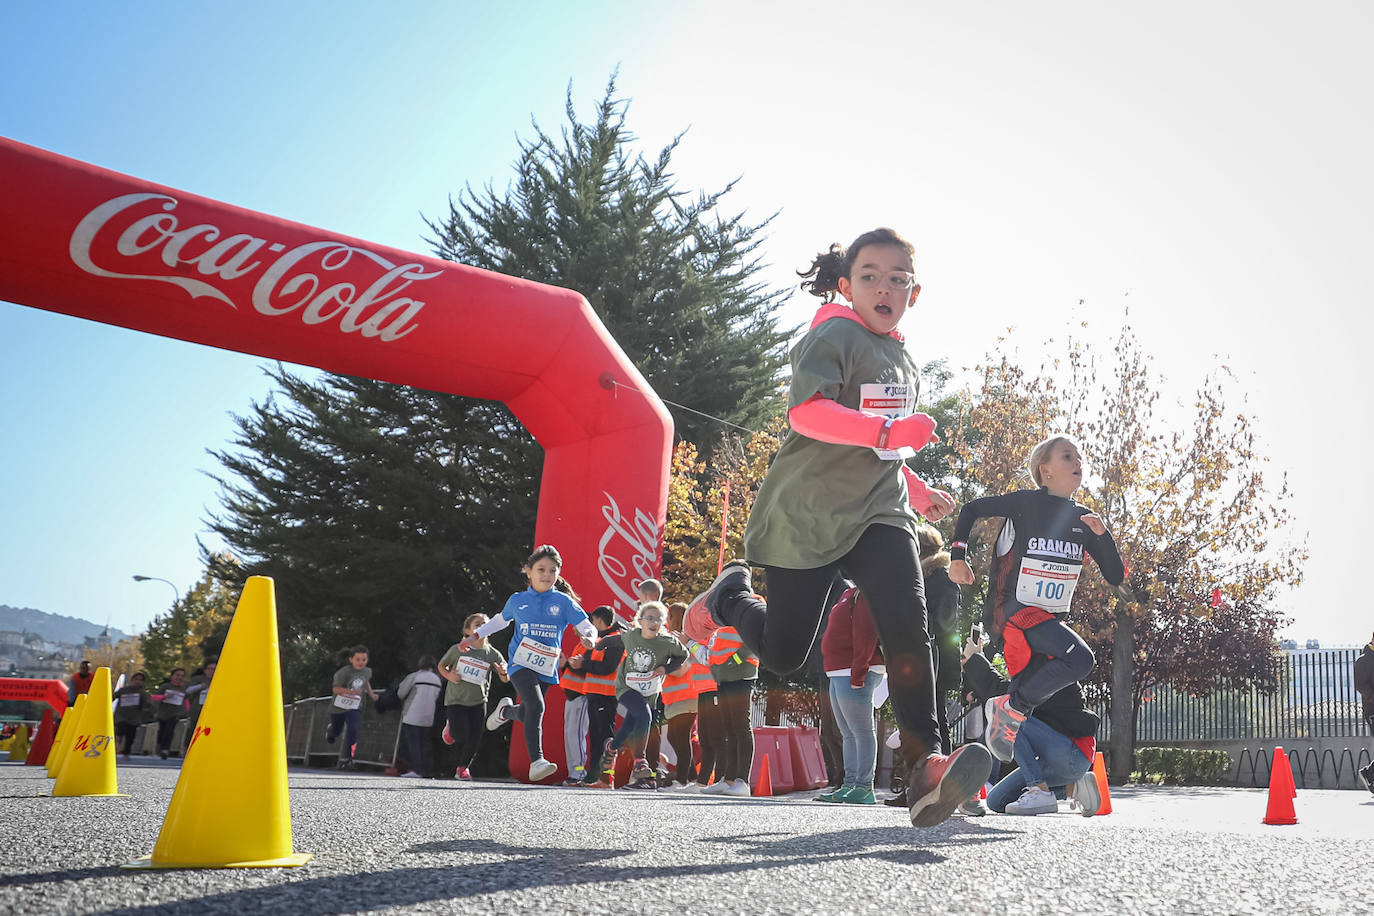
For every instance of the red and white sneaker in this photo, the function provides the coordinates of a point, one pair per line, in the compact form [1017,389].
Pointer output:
[1004,721]
[462,773]
[703,615]
[939,784]
[448,735]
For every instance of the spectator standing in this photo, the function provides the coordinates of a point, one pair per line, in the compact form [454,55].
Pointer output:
[419,692]
[1364,683]
[197,692]
[81,682]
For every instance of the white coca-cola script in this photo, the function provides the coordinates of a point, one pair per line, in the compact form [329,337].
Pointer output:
[292,281]
[640,534]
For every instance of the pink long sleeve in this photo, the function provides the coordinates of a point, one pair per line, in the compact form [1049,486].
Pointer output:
[829,421]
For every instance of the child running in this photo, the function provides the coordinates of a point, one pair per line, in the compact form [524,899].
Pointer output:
[350,683]
[468,672]
[651,654]
[1037,560]
[540,614]
[839,494]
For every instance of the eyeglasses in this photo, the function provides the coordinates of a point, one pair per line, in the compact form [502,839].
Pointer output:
[651,619]
[898,281]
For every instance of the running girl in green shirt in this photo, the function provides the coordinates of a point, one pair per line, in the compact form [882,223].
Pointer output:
[840,496]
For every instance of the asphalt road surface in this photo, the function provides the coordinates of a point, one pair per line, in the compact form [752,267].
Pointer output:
[384,844]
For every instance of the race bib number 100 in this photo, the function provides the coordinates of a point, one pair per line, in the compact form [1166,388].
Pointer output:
[892,401]
[1046,584]
[536,656]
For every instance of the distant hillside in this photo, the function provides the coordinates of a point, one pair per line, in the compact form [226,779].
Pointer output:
[54,627]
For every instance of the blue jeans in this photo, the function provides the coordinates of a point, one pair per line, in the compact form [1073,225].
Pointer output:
[345,721]
[634,728]
[853,708]
[1042,755]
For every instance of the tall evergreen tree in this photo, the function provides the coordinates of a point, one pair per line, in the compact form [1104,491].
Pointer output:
[386,514]
[674,280]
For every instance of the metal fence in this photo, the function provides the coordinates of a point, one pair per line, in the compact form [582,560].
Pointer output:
[1315,698]
[379,734]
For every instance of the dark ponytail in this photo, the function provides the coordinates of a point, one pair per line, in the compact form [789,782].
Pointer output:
[822,279]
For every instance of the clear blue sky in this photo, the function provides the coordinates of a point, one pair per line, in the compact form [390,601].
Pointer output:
[1210,161]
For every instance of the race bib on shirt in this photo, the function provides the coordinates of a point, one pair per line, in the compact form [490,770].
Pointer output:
[474,670]
[536,656]
[203,694]
[348,702]
[1046,584]
[646,684]
[894,402]
[128,699]
[173,697]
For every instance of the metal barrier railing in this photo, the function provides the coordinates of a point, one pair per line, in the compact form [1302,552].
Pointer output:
[1309,767]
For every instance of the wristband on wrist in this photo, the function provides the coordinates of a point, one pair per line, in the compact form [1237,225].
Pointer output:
[885,432]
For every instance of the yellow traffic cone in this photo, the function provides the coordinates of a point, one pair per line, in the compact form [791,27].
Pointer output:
[19,744]
[231,806]
[64,736]
[90,765]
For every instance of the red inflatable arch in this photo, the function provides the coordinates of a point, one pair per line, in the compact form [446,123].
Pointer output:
[85,241]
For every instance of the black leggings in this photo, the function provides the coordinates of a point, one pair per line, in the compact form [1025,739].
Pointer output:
[530,712]
[708,735]
[600,726]
[680,737]
[1060,658]
[884,563]
[736,737]
[465,727]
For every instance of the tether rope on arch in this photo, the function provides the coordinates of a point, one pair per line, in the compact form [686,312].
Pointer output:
[610,383]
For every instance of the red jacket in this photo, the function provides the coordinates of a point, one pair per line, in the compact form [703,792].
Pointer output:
[851,638]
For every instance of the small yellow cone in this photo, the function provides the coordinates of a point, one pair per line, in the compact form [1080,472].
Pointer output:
[64,736]
[90,765]
[231,807]
[19,744]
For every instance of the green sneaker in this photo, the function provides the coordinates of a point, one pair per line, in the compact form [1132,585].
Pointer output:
[859,795]
[834,795]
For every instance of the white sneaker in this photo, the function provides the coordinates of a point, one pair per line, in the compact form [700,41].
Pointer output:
[719,787]
[498,715]
[411,775]
[1086,796]
[691,787]
[738,789]
[1034,801]
[542,769]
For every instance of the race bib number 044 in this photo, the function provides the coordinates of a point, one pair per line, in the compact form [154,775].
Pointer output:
[474,670]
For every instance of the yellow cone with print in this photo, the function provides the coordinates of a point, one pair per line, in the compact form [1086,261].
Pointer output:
[89,767]
[231,807]
[64,736]
[19,744]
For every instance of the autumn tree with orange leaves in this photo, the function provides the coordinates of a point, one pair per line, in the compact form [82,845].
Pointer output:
[1187,503]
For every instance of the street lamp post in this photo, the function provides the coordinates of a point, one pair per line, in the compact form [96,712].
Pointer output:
[176,592]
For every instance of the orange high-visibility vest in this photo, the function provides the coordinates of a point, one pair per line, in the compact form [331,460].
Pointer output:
[572,679]
[601,685]
[701,678]
[678,688]
[728,647]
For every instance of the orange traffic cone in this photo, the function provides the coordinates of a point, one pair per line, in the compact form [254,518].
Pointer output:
[231,806]
[764,786]
[983,791]
[1100,771]
[42,743]
[1281,792]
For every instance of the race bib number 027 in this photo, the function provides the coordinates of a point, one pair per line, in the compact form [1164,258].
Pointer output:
[646,684]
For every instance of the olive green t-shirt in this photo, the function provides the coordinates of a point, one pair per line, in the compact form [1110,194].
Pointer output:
[818,498]
[644,655]
[130,702]
[466,693]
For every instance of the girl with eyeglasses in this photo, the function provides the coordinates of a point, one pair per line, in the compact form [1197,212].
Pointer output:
[839,495]
[651,654]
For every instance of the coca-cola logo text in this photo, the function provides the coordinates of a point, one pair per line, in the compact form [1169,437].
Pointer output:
[295,280]
[641,534]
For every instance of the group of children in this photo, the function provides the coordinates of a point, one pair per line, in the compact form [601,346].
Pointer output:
[838,499]
[175,699]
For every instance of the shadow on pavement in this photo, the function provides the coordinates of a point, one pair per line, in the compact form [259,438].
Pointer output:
[531,867]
